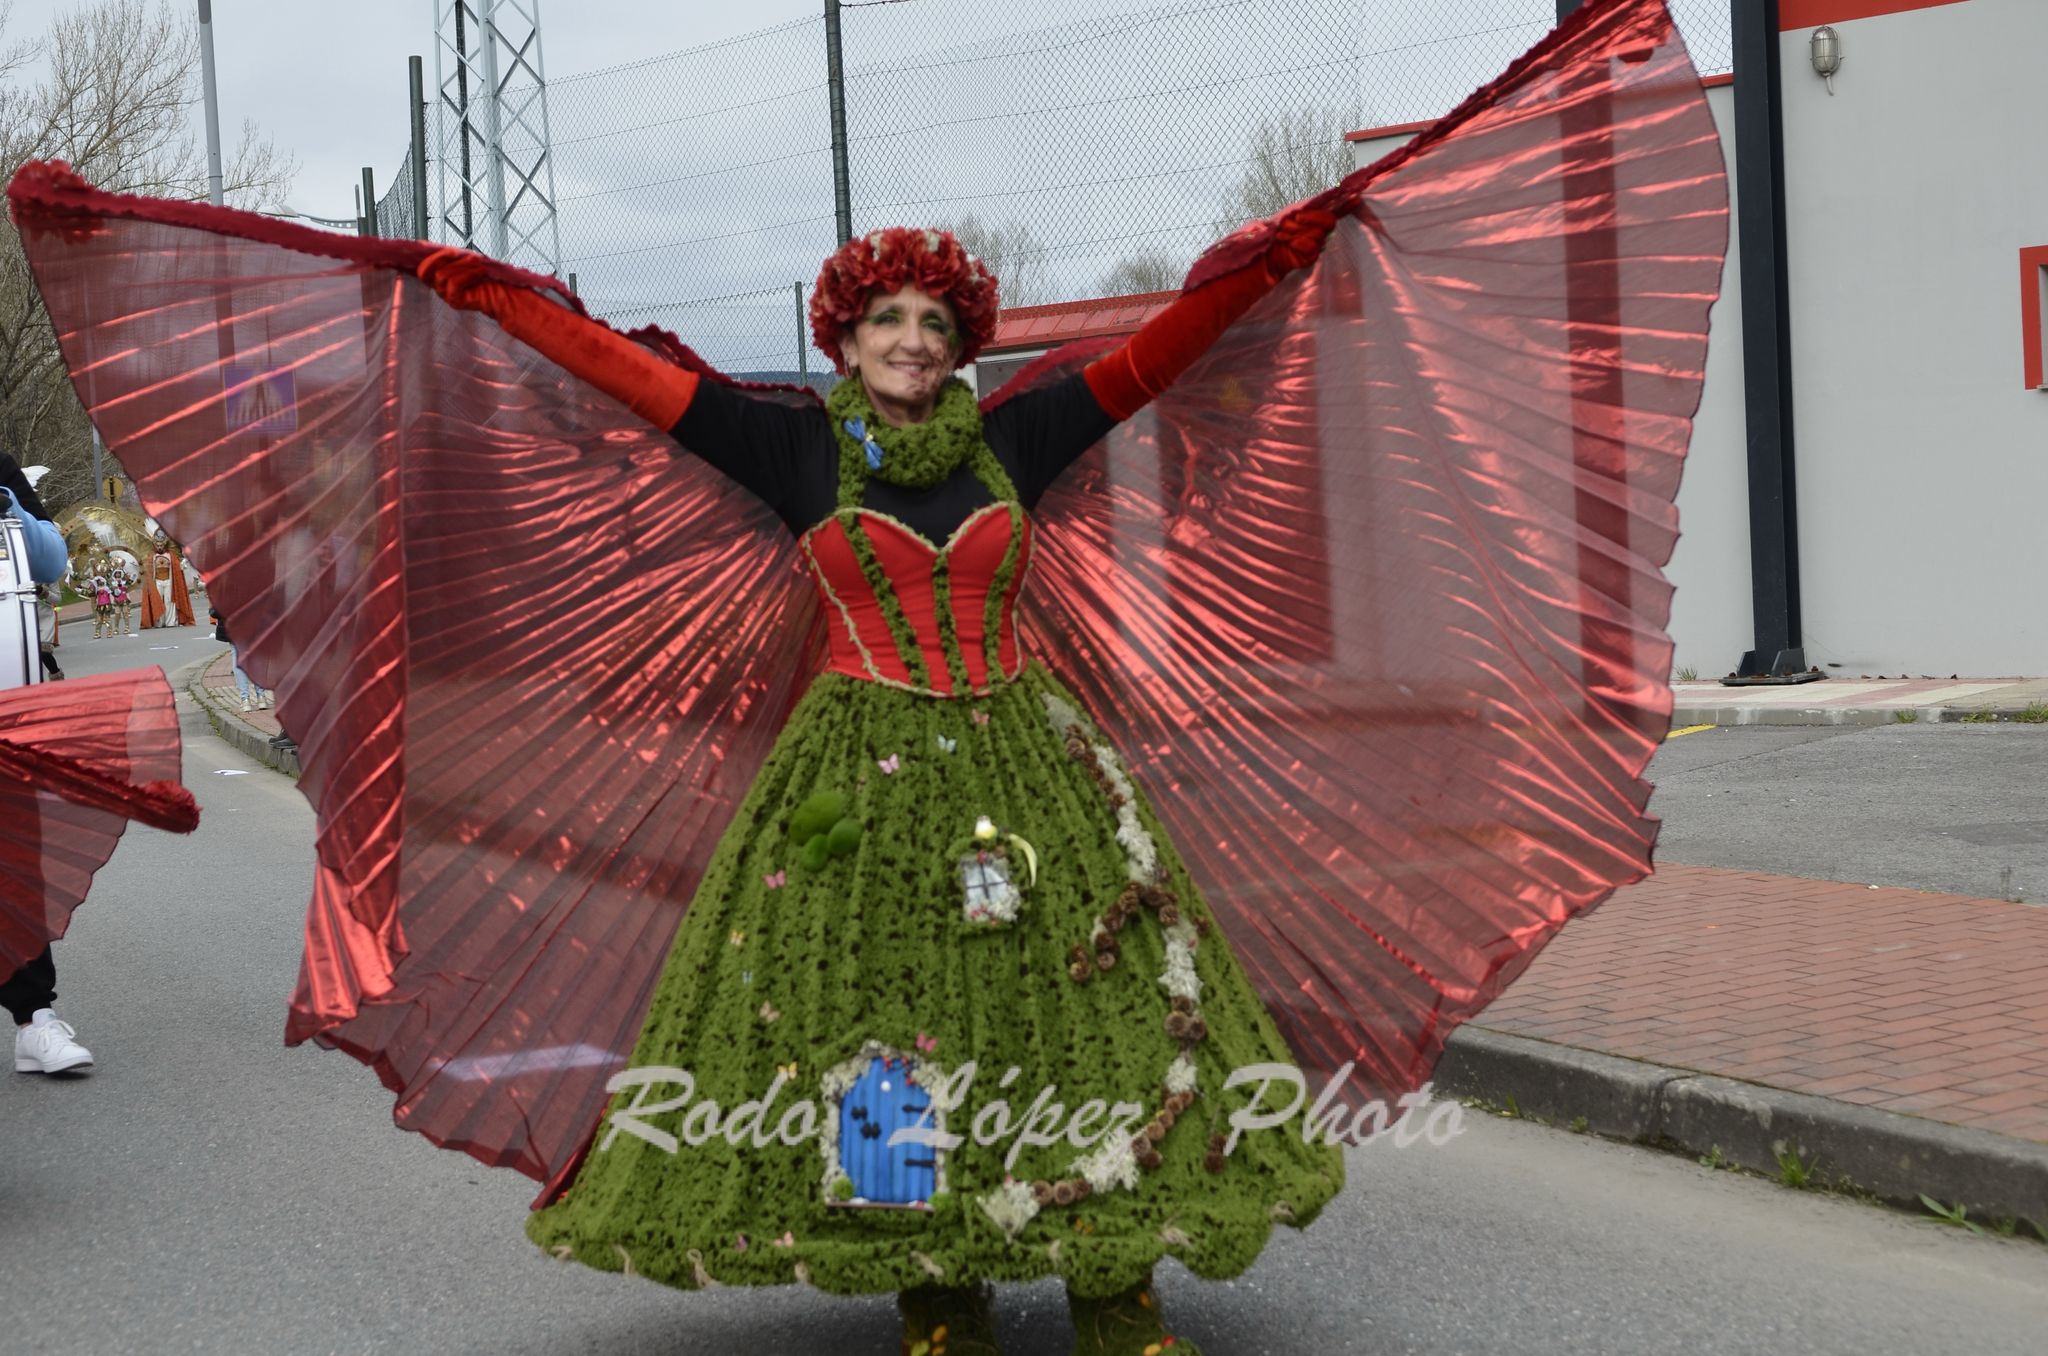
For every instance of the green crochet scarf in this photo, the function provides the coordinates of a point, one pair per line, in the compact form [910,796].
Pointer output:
[917,457]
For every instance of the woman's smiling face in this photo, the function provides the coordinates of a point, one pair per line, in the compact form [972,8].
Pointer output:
[904,347]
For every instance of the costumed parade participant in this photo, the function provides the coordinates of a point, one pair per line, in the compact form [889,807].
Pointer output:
[77,761]
[165,599]
[1286,671]
[118,585]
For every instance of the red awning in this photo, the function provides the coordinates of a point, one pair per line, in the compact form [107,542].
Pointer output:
[1035,327]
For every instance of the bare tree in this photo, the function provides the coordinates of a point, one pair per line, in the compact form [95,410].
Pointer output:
[1150,269]
[1013,253]
[1293,156]
[116,96]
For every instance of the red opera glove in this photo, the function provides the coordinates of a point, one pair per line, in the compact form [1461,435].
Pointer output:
[653,388]
[1127,379]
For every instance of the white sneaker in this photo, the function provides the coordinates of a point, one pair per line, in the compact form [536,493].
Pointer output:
[266,701]
[45,1045]
[248,704]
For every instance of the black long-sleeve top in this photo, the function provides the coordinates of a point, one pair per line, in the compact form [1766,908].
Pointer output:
[789,455]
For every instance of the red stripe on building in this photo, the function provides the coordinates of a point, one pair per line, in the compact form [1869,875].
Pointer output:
[1028,327]
[1813,13]
[2033,282]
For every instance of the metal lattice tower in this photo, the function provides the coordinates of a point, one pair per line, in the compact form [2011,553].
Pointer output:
[495,170]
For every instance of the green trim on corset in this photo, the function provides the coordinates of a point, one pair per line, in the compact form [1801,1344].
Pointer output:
[913,457]
[949,634]
[907,648]
[998,588]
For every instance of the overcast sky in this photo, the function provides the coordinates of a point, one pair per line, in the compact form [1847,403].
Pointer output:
[327,79]
[694,190]
[328,82]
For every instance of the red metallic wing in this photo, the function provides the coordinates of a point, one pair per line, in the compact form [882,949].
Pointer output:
[1373,598]
[78,760]
[532,655]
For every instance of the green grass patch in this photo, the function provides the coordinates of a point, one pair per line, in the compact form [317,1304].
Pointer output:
[1794,1171]
[2034,713]
[1955,1216]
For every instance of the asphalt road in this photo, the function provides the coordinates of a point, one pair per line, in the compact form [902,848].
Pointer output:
[207,1190]
[1950,807]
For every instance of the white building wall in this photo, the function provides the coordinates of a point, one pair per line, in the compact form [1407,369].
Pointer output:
[1922,460]
[1712,622]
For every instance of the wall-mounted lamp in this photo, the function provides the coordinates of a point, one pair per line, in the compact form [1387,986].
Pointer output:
[1827,55]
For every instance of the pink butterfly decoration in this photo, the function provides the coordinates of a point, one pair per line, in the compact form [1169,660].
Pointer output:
[927,1043]
[739,1242]
[980,717]
[891,763]
[788,1240]
[775,880]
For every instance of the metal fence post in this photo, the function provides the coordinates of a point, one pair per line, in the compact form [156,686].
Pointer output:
[835,84]
[1766,346]
[369,202]
[416,74]
[803,346]
[214,192]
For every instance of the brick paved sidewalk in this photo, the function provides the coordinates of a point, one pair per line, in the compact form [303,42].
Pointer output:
[1930,1005]
[219,679]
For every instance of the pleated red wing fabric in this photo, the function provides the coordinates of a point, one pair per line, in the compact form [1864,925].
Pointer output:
[531,653]
[78,760]
[1371,599]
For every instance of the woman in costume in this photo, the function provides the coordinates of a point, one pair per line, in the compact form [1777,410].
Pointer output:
[942,861]
[1368,600]
[165,598]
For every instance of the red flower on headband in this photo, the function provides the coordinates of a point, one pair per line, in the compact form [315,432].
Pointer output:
[888,260]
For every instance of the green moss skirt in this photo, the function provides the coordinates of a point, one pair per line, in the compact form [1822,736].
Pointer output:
[907,954]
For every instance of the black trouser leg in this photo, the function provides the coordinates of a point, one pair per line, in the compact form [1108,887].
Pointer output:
[33,986]
[50,669]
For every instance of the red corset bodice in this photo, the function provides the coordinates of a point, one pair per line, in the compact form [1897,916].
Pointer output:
[983,557]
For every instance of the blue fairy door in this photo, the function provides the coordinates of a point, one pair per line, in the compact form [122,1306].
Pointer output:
[883,1101]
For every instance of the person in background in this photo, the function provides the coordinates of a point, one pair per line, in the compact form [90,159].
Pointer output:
[102,607]
[42,1042]
[46,629]
[253,697]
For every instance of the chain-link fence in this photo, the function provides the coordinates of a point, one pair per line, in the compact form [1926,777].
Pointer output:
[1085,147]
[395,207]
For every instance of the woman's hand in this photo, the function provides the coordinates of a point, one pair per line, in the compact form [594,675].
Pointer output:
[653,388]
[462,278]
[1126,379]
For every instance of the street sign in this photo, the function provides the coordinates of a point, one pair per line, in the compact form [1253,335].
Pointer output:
[259,400]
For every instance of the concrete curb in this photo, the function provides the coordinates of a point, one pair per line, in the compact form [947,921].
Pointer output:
[1893,1157]
[1833,715]
[227,727]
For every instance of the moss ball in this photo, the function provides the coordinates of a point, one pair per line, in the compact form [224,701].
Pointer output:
[844,838]
[817,815]
[814,854]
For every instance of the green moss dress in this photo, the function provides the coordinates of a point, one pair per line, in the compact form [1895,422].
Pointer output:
[942,863]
